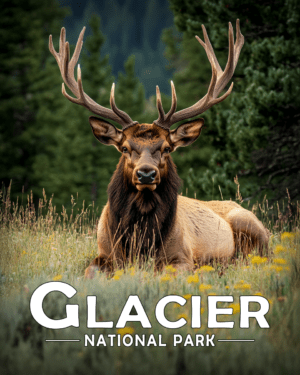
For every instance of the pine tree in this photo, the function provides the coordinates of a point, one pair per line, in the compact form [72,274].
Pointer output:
[24,29]
[130,95]
[258,125]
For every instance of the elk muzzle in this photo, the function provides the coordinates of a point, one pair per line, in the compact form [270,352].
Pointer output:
[146,178]
[146,173]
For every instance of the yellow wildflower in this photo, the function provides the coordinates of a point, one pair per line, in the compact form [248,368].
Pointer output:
[187,296]
[235,307]
[132,271]
[279,249]
[24,252]
[119,273]
[202,310]
[57,277]
[206,269]
[242,286]
[227,287]
[192,279]
[287,235]
[125,331]
[166,278]
[258,294]
[204,287]
[170,269]
[278,268]
[184,316]
[250,255]
[258,260]
[279,261]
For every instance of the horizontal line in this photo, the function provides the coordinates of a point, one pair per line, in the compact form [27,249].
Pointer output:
[63,340]
[237,340]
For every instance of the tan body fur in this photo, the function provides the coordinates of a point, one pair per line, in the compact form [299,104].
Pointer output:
[202,231]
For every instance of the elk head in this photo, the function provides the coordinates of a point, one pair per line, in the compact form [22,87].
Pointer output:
[146,147]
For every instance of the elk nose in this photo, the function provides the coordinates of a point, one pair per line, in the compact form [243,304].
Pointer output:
[146,178]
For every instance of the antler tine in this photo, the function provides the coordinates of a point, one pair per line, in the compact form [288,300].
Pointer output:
[238,43]
[123,115]
[67,67]
[229,69]
[81,99]
[209,50]
[161,112]
[163,119]
[218,81]
[62,40]
[52,49]
[77,50]
[174,102]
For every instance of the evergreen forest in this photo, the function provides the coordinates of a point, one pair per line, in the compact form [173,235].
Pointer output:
[250,140]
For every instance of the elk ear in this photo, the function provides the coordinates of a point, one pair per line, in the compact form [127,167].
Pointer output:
[186,133]
[105,132]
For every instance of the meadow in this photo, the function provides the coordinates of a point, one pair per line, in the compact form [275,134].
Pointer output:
[38,245]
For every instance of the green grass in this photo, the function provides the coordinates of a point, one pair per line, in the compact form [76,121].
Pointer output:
[41,245]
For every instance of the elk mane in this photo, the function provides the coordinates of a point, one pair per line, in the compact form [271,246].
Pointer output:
[144,216]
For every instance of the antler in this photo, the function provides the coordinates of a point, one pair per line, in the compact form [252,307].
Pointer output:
[67,66]
[218,81]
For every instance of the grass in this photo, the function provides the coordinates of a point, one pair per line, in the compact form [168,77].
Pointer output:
[40,245]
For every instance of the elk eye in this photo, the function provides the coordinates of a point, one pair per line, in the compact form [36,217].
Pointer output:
[167,150]
[124,149]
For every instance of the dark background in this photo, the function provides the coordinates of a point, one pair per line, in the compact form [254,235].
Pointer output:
[130,27]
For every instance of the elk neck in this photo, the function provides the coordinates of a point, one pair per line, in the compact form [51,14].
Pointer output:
[142,216]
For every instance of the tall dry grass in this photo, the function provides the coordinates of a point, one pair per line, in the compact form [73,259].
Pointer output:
[39,244]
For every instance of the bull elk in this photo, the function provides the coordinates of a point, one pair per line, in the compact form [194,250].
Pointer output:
[144,213]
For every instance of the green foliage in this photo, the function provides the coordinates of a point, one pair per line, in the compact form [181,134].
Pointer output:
[256,130]
[25,79]
[130,96]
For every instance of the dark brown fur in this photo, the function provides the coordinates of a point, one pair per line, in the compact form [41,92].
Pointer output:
[145,215]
